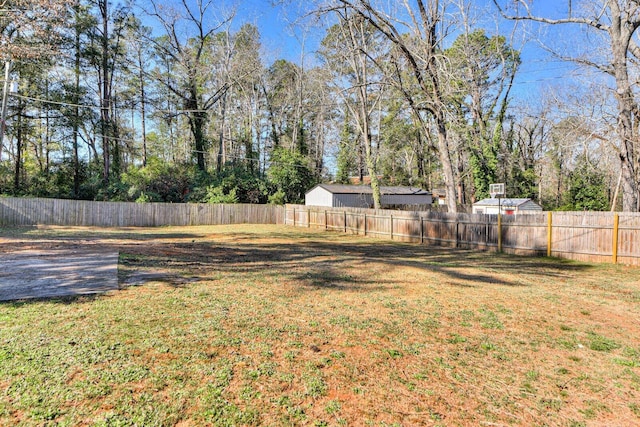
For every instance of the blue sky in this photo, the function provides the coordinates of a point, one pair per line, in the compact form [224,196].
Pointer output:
[276,25]
[538,71]
[282,38]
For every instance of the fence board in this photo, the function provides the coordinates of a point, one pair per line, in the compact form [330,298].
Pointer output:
[582,236]
[34,211]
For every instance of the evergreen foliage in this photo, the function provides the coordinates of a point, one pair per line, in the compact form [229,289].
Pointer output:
[587,189]
[290,175]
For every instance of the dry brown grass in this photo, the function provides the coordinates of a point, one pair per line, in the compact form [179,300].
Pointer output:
[248,325]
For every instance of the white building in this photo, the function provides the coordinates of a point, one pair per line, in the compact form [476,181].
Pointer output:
[361,196]
[506,206]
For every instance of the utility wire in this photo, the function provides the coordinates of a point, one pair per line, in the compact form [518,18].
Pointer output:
[337,104]
[47,101]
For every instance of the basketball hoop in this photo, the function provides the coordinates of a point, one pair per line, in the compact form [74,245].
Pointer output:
[496,190]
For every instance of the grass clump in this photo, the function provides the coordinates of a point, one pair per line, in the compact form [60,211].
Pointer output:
[601,343]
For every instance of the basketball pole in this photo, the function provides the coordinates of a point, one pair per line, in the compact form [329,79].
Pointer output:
[497,190]
[499,225]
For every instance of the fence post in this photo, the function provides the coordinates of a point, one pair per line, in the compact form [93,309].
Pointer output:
[616,226]
[345,221]
[391,228]
[308,218]
[499,232]
[549,232]
[326,224]
[294,217]
[365,223]
[457,226]
[421,230]
[486,231]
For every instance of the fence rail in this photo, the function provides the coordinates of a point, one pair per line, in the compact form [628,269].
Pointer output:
[33,211]
[584,236]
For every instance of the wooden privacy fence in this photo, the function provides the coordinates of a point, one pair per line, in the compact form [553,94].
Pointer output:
[17,211]
[584,236]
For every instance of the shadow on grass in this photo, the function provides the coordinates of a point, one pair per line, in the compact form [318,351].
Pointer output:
[64,233]
[324,263]
[314,261]
[61,233]
[326,275]
[61,300]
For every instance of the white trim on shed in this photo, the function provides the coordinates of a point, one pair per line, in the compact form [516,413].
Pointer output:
[361,196]
[507,206]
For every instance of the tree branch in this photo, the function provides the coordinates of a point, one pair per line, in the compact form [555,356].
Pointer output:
[594,23]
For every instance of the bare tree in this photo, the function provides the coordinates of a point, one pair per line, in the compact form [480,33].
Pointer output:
[138,54]
[30,28]
[280,87]
[239,114]
[352,49]
[418,41]
[197,86]
[616,23]
[105,51]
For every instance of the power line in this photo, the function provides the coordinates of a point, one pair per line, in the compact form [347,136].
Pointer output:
[47,101]
[176,112]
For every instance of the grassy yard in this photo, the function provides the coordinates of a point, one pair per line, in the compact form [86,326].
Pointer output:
[267,325]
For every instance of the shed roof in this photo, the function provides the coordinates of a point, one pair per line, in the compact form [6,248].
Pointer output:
[502,202]
[365,189]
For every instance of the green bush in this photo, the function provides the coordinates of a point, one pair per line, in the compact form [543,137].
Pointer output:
[277,198]
[291,176]
[217,195]
[159,181]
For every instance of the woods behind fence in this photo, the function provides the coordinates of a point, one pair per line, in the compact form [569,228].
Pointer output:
[584,236]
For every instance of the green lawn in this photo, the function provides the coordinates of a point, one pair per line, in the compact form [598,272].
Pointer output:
[269,325]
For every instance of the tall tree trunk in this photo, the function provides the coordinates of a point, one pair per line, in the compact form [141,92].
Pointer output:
[143,109]
[365,128]
[105,96]
[220,160]
[46,140]
[5,103]
[19,149]
[419,152]
[197,122]
[445,161]
[272,118]
[628,114]
[76,113]
[114,119]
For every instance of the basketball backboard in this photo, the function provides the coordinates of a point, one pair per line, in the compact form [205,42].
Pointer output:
[496,190]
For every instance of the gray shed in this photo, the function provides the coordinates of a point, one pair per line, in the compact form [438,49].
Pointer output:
[507,206]
[361,196]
